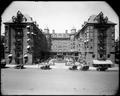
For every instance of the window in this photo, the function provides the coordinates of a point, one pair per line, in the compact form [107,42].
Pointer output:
[91,47]
[87,34]
[93,55]
[6,27]
[108,55]
[76,54]
[90,27]
[28,28]
[87,30]
[112,35]
[87,46]
[113,46]
[91,40]
[101,55]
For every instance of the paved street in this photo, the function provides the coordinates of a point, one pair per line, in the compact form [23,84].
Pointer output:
[58,81]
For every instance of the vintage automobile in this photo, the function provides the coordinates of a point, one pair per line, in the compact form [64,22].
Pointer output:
[45,67]
[3,63]
[84,66]
[19,66]
[46,64]
[52,61]
[102,65]
[69,61]
[74,67]
[74,64]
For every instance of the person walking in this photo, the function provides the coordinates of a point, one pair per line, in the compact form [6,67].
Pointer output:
[10,56]
[21,61]
[25,58]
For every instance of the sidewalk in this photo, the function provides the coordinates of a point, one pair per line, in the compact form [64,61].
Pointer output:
[57,67]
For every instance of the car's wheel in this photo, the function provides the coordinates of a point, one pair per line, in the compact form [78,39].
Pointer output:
[103,69]
[98,69]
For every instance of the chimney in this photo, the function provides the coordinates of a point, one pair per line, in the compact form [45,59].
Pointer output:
[46,30]
[66,31]
[73,30]
[53,31]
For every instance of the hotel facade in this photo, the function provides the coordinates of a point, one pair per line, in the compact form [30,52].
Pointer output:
[94,41]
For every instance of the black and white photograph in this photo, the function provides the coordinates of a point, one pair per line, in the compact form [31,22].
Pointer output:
[59,48]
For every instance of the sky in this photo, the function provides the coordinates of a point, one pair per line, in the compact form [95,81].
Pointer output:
[61,16]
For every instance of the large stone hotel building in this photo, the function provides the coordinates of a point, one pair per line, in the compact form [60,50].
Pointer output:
[22,36]
[98,39]
[94,41]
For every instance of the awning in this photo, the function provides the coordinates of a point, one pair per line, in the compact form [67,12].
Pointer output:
[28,32]
[10,55]
[28,46]
[28,39]
[28,26]
[102,62]
[25,55]
[32,33]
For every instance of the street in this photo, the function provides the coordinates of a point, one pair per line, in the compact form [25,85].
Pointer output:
[34,81]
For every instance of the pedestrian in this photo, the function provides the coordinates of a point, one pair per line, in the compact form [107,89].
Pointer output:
[17,61]
[20,61]
[25,58]
[10,56]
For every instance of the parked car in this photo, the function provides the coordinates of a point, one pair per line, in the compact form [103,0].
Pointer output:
[74,67]
[51,62]
[100,68]
[45,67]
[84,66]
[47,63]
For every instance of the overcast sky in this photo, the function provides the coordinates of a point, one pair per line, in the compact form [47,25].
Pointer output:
[60,15]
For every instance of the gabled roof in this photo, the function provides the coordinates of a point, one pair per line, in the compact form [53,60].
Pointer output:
[96,19]
[93,19]
[26,18]
[29,19]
